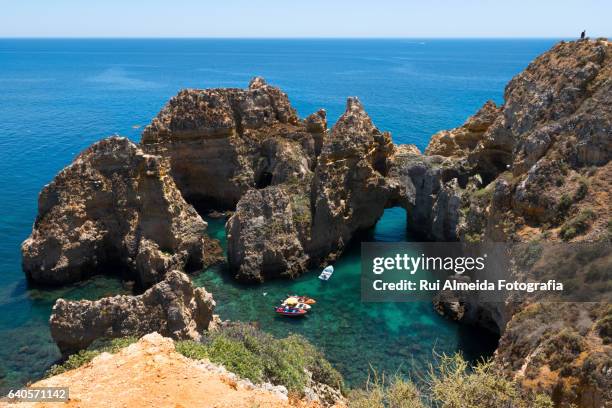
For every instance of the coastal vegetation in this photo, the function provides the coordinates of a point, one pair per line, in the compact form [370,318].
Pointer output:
[295,363]
[450,384]
[242,349]
[83,357]
[577,225]
[260,357]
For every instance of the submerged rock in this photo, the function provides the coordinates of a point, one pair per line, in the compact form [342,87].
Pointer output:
[114,208]
[172,307]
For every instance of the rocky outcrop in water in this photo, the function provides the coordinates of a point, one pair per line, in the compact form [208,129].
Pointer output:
[349,191]
[114,208]
[263,239]
[172,307]
[308,217]
[221,142]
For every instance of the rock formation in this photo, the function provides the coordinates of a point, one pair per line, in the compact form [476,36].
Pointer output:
[114,208]
[507,172]
[221,142]
[307,217]
[535,168]
[541,172]
[263,239]
[171,307]
[349,190]
[562,97]
[459,141]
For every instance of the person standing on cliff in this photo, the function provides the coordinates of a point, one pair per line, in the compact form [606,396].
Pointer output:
[583,34]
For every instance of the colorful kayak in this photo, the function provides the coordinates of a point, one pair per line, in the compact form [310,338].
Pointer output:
[327,273]
[290,311]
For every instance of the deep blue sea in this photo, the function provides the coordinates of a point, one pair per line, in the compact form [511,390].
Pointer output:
[59,96]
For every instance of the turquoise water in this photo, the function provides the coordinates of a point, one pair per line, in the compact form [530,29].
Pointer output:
[59,96]
[355,336]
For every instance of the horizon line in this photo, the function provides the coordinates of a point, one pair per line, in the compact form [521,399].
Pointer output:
[287,38]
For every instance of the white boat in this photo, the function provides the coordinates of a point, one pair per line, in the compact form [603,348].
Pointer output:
[327,273]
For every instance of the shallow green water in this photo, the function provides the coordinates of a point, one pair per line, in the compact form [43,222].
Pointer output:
[353,335]
[27,347]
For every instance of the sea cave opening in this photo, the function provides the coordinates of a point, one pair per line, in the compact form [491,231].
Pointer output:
[474,342]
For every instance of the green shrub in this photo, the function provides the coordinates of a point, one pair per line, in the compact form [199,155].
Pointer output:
[85,356]
[191,349]
[368,398]
[577,225]
[563,206]
[74,361]
[399,393]
[260,357]
[604,327]
[485,193]
[300,203]
[473,238]
[561,349]
[598,272]
[582,190]
[454,385]
[403,394]
[528,254]
[234,356]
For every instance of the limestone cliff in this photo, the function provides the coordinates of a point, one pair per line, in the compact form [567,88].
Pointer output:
[263,239]
[114,208]
[172,307]
[151,373]
[349,189]
[540,172]
[309,216]
[459,141]
[220,142]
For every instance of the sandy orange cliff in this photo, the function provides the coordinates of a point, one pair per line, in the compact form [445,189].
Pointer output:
[150,373]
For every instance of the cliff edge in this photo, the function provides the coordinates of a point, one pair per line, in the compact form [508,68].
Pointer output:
[150,373]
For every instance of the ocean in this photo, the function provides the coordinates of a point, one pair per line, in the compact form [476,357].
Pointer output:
[59,96]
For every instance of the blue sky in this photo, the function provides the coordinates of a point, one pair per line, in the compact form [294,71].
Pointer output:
[306,18]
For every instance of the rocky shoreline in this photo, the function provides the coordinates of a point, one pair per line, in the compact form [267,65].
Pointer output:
[535,168]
